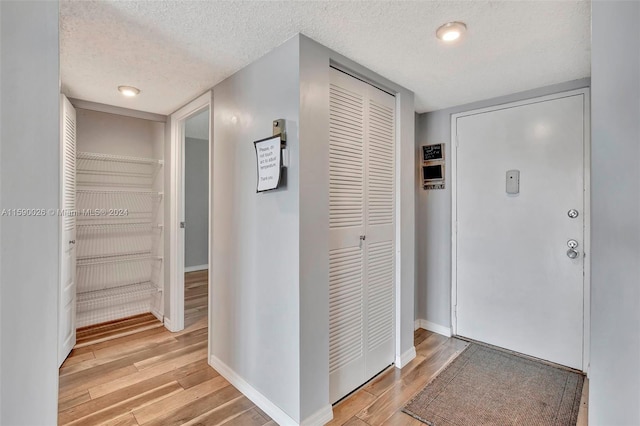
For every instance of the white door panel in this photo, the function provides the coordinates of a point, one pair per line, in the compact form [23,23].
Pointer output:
[516,286]
[361,232]
[67,283]
[346,225]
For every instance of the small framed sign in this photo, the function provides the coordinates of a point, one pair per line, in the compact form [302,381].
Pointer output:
[269,162]
[433,152]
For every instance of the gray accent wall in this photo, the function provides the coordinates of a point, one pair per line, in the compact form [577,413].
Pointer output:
[255,310]
[433,207]
[29,178]
[614,390]
[196,201]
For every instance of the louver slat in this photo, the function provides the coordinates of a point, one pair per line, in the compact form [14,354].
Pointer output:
[380,165]
[346,162]
[345,306]
[69,171]
[380,293]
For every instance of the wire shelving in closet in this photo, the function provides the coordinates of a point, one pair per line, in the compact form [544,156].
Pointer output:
[119,236]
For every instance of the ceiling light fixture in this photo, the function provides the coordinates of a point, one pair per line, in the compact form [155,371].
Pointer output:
[129,91]
[451,31]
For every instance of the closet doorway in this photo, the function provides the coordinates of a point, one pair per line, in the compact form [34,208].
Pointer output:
[190,213]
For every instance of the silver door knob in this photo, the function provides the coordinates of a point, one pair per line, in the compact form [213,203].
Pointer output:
[572,253]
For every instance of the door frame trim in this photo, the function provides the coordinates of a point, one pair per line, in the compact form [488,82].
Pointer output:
[585,92]
[176,207]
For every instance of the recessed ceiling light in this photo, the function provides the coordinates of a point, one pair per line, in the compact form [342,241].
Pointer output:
[451,31]
[129,91]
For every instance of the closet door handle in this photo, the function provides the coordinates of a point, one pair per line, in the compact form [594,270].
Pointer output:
[362,238]
[72,241]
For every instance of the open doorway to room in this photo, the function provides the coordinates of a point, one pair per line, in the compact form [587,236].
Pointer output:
[196,214]
[189,214]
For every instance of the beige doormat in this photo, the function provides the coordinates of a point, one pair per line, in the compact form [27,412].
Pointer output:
[485,386]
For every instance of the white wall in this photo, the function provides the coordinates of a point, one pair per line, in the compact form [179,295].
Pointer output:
[314,224]
[255,313]
[314,217]
[1,48]
[196,200]
[29,178]
[117,134]
[433,208]
[614,390]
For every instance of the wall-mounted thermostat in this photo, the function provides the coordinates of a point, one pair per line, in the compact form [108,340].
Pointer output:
[433,166]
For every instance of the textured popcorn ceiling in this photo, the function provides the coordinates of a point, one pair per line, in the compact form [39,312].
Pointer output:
[173,51]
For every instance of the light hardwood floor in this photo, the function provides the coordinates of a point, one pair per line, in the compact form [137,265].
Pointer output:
[154,377]
[160,378]
[196,290]
[86,336]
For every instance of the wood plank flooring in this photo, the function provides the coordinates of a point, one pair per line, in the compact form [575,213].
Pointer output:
[196,291]
[160,378]
[154,377]
[113,329]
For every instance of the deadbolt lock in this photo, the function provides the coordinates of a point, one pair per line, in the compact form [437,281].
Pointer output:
[573,213]
[572,244]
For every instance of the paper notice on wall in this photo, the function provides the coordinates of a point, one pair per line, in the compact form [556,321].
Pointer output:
[269,163]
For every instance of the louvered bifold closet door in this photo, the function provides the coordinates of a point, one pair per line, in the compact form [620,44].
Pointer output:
[380,230]
[67,282]
[361,338]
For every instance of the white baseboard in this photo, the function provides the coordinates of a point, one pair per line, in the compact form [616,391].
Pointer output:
[158,315]
[406,357]
[416,325]
[252,393]
[195,268]
[168,326]
[320,417]
[436,328]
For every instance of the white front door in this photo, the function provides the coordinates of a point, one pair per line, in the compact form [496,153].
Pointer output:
[67,281]
[517,286]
